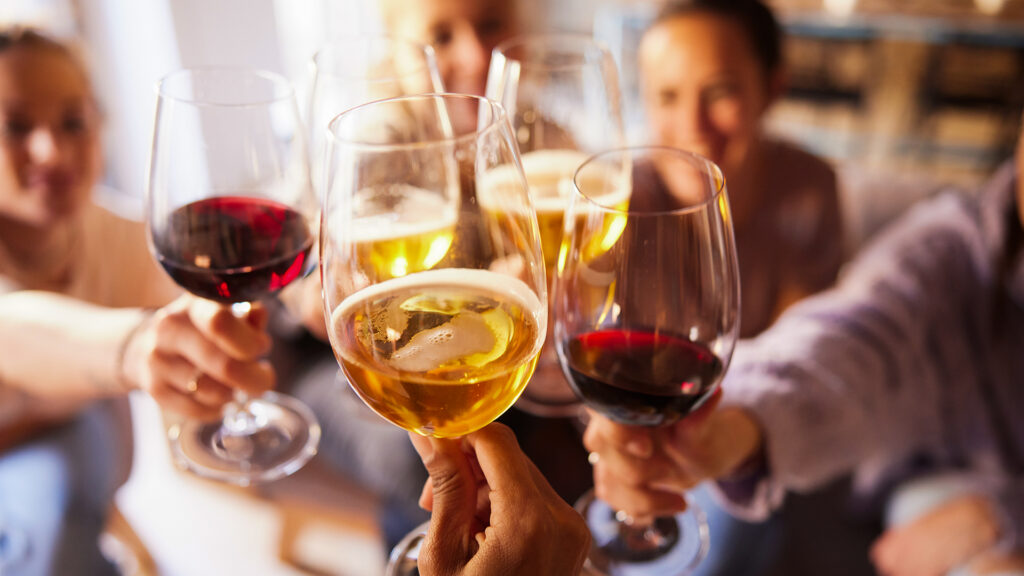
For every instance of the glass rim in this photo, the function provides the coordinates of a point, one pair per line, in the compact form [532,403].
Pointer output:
[498,117]
[567,42]
[337,44]
[713,168]
[278,81]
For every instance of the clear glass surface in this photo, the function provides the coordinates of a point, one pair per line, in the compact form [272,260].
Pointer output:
[230,210]
[434,282]
[355,70]
[646,311]
[562,95]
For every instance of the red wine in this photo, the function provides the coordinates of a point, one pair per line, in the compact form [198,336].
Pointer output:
[641,378]
[234,249]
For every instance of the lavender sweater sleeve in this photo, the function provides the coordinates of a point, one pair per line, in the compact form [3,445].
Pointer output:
[884,366]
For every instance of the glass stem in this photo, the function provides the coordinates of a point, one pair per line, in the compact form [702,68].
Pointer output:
[238,418]
[640,535]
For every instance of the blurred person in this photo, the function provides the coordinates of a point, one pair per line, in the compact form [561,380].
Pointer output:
[357,442]
[462,32]
[912,367]
[85,314]
[493,511]
[710,71]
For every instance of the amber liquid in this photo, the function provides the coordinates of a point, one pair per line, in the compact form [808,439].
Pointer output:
[549,175]
[402,230]
[441,353]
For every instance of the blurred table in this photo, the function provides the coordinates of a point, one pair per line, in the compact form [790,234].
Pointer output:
[310,523]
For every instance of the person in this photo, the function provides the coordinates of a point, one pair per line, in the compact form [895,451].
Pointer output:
[462,32]
[85,315]
[355,441]
[910,368]
[493,511]
[710,70]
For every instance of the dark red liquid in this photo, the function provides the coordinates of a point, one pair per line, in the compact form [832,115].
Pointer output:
[234,249]
[641,378]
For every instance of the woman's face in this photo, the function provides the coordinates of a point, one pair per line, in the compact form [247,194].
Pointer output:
[704,89]
[462,32]
[49,136]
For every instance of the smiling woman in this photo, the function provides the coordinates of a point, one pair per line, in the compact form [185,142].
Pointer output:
[77,289]
[710,71]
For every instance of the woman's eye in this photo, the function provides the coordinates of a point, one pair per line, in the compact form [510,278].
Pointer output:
[74,125]
[15,129]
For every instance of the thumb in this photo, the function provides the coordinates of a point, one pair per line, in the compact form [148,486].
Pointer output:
[450,542]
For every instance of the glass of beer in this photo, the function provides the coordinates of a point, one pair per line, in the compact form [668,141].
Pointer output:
[436,308]
[562,95]
[645,326]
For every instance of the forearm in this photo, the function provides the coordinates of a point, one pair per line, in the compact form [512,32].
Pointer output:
[55,348]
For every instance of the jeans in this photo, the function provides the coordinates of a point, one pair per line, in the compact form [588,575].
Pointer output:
[55,490]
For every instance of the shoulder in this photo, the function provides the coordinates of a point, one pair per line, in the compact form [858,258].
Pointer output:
[797,171]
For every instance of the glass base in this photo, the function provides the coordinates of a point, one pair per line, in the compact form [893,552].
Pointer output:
[282,436]
[404,558]
[675,547]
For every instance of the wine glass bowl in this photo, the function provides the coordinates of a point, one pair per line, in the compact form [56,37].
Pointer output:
[229,208]
[646,308]
[436,304]
[562,96]
[354,70]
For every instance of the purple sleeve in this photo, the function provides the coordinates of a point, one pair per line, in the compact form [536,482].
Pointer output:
[849,379]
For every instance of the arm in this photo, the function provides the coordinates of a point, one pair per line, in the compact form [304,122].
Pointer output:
[849,378]
[57,351]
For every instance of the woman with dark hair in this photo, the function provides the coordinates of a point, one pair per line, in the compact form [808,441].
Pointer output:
[710,71]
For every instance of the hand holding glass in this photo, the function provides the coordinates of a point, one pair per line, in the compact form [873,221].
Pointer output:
[229,205]
[646,308]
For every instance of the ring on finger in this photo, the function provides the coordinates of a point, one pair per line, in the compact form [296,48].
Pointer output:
[193,383]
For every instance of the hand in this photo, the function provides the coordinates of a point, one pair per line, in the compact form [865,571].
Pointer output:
[644,471]
[192,353]
[940,540]
[493,512]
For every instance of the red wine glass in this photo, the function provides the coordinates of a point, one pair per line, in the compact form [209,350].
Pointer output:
[646,309]
[229,208]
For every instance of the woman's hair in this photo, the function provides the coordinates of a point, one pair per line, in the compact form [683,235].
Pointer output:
[754,17]
[20,37]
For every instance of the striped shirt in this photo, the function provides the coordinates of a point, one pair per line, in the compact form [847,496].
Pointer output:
[917,354]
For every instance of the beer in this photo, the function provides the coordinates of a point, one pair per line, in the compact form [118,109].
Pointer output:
[401,230]
[549,175]
[442,352]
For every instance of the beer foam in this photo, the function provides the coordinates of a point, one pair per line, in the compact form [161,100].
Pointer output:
[465,335]
[463,279]
[549,175]
[416,211]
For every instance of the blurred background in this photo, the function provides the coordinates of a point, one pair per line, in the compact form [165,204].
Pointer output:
[912,93]
[904,96]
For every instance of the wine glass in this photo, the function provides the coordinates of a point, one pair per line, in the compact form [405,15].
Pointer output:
[355,70]
[229,205]
[646,312]
[561,92]
[436,301]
